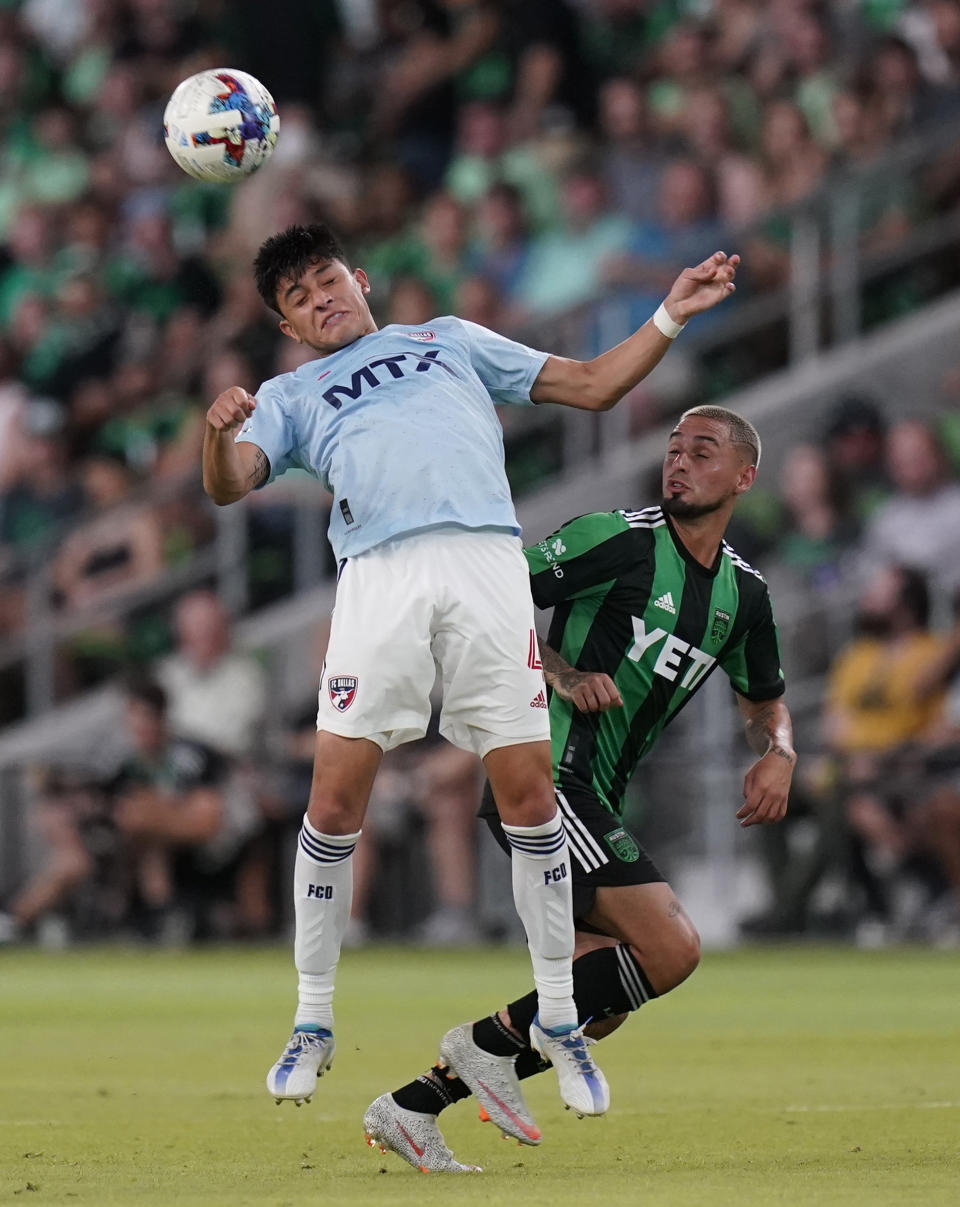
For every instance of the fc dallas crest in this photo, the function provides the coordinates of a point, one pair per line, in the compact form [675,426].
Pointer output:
[343,690]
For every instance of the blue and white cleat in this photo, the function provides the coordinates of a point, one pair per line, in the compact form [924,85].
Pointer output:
[306,1057]
[583,1087]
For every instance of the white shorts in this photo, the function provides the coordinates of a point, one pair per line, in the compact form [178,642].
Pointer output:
[449,599]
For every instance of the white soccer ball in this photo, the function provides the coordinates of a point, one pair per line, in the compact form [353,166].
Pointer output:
[220,125]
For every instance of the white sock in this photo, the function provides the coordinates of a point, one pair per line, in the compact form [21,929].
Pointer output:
[543,895]
[322,892]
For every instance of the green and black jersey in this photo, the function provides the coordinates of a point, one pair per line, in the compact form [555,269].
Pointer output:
[632,602]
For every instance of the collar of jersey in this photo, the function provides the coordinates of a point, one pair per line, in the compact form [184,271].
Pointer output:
[698,567]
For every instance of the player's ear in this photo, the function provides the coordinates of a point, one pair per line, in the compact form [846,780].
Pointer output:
[289,332]
[746,478]
[361,278]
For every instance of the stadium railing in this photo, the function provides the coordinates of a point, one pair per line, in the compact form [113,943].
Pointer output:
[901,366]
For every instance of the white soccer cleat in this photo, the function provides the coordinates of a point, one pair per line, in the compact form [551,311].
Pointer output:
[411,1135]
[582,1086]
[306,1057]
[493,1081]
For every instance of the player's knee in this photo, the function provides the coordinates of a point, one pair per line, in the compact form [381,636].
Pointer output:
[688,954]
[334,815]
[532,804]
[675,961]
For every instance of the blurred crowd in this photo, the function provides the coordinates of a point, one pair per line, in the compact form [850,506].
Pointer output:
[186,831]
[508,161]
[181,825]
[868,541]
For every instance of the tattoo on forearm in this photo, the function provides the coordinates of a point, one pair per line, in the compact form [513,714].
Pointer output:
[261,468]
[568,680]
[554,667]
[674,908]
[765,736]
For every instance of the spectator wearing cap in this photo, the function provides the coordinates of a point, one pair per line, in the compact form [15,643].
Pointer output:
[854,440]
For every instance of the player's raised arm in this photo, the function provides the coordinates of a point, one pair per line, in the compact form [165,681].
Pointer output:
[598,384]
[231,470]
[769,733]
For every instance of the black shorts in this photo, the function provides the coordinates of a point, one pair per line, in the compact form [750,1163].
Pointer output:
[603,851]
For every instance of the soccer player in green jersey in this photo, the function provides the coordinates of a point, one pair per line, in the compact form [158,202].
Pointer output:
[646,605]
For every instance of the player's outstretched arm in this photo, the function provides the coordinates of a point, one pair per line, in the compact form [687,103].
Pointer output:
[598,384]
[588,691]
[231,470]
[766,786]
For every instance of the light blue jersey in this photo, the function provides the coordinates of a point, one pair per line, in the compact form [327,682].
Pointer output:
[400,426]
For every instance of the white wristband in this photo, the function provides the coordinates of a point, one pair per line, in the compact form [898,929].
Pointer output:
[665,324]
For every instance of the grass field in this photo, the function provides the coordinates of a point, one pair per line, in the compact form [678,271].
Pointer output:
[790,1076]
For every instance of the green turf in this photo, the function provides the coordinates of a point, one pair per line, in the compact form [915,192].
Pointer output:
[788,1077]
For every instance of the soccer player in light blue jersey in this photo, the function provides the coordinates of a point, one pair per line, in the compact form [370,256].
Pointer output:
[399,424]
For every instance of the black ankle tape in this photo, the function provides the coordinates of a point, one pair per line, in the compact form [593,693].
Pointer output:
[491,1035]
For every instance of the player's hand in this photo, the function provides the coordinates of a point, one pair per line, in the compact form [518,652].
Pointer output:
[766,788]
[587,691]
[697,289]
[231,409]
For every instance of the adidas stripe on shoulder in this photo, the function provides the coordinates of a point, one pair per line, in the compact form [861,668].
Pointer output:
[740,563]
[646,517]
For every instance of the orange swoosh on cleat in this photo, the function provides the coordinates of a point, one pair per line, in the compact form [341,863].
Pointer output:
[409,1139]
[531,1131]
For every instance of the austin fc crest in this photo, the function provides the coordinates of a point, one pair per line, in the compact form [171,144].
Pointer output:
[721,622]
[623,845]
[342,689]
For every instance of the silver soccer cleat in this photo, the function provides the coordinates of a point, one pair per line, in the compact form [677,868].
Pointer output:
[493,1081]
[414,1137]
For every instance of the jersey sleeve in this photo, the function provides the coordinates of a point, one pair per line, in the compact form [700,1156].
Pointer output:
[753,665]
[579,559]
[506,368]
[271,429]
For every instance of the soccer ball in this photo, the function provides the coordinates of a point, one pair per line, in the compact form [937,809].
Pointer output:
[220,125]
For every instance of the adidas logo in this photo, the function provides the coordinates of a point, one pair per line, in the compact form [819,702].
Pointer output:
[540,701]
[665,602]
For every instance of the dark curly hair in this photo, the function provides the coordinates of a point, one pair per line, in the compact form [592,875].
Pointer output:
[288,255]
